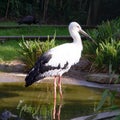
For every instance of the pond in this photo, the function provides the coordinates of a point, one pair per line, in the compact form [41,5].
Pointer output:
[36,102]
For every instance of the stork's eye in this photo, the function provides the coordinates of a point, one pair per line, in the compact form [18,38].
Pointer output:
[78,27]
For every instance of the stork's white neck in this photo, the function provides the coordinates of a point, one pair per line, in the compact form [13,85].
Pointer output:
[76,38]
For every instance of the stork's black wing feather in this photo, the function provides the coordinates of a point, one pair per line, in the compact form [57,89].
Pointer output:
[38,69]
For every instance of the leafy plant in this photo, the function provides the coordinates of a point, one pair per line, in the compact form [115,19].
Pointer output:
[103,33]
[107,50]
[108,53]
[31,50]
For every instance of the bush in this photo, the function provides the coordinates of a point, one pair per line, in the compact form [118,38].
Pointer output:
[31,50]
[108,53]
[107,50]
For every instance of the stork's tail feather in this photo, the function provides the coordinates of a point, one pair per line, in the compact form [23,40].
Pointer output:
[32,77]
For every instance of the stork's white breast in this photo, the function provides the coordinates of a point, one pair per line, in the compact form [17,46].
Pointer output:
[68,52]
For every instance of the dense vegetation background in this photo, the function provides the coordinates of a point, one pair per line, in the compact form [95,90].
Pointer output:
[61,11]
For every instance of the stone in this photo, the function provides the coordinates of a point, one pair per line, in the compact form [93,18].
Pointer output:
[100,116]
[14,66]
[103,78]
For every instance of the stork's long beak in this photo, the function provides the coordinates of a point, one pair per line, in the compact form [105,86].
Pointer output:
[86,35]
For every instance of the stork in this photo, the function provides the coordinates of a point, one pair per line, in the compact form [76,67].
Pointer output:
[58,60]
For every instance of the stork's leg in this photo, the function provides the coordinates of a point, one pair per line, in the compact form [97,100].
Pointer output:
[55,85]
[60,91]
[59,85]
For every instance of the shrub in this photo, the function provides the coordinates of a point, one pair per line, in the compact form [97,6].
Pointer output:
[31,50]
[107,50]
[108,53]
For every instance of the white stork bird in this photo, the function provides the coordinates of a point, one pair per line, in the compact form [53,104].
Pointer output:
[58,60]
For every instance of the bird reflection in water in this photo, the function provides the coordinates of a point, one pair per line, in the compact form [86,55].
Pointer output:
[57,110]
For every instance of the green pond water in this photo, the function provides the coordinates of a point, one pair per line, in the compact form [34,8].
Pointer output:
[36,102]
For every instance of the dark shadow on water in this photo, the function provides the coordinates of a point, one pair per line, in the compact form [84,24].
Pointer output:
[7,94]
[21,87]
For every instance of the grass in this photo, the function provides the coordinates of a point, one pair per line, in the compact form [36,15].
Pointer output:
[34,30]
[9,49]
[5,23]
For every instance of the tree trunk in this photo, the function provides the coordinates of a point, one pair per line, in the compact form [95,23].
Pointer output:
[6,13]
[45,9]
[93,12]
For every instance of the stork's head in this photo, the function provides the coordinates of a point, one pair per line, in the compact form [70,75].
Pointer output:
[74,26]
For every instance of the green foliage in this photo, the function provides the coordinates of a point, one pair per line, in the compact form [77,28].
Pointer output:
[104,33]
[107,50]
[108,30]
[31,50]
[108,53]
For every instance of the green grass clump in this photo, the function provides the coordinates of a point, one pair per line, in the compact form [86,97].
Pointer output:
[108,53]
[31,50]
